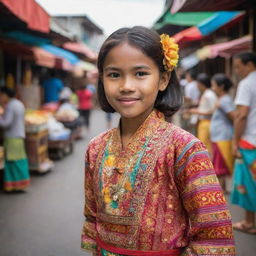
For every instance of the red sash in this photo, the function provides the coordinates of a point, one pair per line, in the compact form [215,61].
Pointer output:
[113,249]
[246,145]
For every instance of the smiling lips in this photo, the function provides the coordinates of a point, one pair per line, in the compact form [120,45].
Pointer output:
[127,100]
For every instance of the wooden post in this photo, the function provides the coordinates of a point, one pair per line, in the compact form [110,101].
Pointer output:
[252,28]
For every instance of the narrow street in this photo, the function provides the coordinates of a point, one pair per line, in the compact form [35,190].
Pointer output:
[47,220]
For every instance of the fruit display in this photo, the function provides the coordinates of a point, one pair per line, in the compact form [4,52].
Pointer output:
[36,120]
[36,117]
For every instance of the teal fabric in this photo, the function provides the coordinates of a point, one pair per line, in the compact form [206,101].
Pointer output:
[16,171]
[244,186]
[104,252]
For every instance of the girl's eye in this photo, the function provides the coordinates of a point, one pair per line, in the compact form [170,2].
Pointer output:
[141,73]
[113,75]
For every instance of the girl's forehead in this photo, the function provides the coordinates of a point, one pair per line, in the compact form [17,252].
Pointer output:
[126,53]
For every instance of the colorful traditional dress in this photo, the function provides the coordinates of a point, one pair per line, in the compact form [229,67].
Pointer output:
[221,136]
[158,196]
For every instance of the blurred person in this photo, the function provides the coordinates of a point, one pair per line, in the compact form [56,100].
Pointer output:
[191,100]
[16,169]
[52,88]
[191,91]
[74,98]
[221,129]
[85,97]
[244,142]
[150,188]
[205,109]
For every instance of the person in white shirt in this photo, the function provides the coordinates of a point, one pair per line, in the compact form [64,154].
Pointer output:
[191,92]
[244,141]
[205,109]
[191,99]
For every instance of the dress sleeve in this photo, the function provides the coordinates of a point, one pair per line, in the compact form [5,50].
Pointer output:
[210,227]
[90,209]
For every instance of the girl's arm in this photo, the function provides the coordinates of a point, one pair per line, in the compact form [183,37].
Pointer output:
[198,112]
[210,228]
[89,227]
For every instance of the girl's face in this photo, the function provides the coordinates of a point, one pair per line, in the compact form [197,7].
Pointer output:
[132,81]
[217,89]
[201,87]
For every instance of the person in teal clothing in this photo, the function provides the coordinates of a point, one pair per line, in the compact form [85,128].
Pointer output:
[16,170]
[52,88]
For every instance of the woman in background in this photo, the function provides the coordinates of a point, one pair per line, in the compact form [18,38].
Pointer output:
[205,109]
[222,128]
[85,104]
[16,170]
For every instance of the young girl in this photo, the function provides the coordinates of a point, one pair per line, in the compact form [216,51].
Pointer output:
[150,188]
[222,128]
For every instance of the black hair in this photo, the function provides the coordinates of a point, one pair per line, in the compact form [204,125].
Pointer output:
[7,91]
[148,41]
[246,57]
[204,79]
[222,81]
[192,73]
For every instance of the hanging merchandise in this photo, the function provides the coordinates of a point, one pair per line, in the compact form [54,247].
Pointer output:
[27,79]
[10,82]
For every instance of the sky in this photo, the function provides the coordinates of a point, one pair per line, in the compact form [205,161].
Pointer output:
[109,14]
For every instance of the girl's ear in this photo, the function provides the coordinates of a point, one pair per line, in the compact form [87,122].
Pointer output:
[164,81]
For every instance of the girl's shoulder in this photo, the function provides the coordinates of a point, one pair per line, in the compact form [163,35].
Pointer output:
[181,137]
[183,141]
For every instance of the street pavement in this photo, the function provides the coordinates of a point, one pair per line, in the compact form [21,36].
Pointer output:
[47,220]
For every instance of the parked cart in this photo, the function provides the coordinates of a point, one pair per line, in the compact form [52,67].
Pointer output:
[60,145]
[37,150]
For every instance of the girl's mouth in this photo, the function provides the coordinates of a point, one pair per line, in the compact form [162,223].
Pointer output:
[127,100]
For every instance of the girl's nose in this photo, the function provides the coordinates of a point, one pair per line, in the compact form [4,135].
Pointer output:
[127,85]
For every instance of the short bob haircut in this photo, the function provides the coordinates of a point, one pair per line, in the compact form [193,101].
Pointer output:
[222,81]
[204,80]
[7,91]
[246,57]
[148,41]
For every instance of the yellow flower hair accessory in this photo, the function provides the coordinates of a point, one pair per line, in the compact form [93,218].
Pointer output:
[170,49]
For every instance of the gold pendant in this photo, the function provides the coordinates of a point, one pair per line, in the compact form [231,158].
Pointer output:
[115,197]
[119,170]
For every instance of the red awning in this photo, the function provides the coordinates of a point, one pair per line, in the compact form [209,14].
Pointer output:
[43,58]
[80,48]
[36,54]
[206,5]
[231,48]
[30,12]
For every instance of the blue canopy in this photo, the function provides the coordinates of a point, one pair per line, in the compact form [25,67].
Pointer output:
[61,53]
[44,43]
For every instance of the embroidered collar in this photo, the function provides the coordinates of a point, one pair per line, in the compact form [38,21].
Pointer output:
[146,130]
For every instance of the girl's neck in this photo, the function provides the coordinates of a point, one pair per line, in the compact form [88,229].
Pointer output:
[129,126]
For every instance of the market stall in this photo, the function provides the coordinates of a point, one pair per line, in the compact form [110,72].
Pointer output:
[37,141]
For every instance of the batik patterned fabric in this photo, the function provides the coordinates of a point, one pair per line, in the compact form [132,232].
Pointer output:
[158,193]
